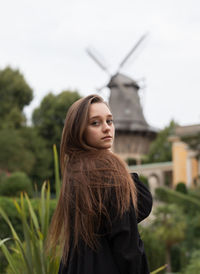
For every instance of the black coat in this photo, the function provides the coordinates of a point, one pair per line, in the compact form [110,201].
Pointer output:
[121,251]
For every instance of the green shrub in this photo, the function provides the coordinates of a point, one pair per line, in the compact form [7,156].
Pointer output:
[189,204]
[154,248]
[29,252]
[131,161]
[194,265]
[181,187]
[3,175]
[15,183]
[6,203]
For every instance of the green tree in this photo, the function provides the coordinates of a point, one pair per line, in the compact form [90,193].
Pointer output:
[49,117]
[15,94]
[160,149]
[24,150]
[40,170]
[14,156]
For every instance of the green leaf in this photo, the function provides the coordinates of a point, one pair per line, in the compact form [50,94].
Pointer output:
[32,213]
[8,256]
[159,269]
[5,217]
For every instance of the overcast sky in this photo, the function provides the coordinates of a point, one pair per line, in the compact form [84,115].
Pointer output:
[46,40]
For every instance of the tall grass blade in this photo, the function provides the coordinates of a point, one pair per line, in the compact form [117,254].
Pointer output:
[27,234]
[159,269]
[5,217]
[56,170]
[8,256]
[32,213]
[42,208]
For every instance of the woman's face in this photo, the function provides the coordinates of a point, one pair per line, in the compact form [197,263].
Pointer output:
[100,130]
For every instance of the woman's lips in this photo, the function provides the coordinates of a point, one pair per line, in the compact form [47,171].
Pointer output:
[107,138]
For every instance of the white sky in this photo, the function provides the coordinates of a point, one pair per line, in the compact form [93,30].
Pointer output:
[46,40]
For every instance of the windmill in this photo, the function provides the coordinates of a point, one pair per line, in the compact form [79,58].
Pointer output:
[133,133]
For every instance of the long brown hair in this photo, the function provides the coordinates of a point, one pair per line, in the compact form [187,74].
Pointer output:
[96,185]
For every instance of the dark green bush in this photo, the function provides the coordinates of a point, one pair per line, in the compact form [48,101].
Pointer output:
[181,187]
[16,183]
[178,257]
[131,161]
[2,176]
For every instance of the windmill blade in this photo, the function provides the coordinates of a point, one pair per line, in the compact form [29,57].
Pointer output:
[132,50]
[100,90]
[91,54]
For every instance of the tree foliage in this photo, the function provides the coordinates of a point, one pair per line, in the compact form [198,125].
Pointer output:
[194,265]
[15,94]
[161,147]
[14,156]
[49,117]
[40,169]
[22,149]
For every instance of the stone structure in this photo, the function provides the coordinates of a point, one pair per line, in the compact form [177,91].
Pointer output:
[158,174]
[133,134]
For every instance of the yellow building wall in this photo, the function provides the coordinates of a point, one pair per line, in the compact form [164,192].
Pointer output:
[179,155]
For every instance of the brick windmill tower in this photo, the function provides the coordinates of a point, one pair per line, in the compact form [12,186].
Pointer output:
[133,134]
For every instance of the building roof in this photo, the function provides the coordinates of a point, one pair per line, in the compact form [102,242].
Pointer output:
[123,80]
[189,130]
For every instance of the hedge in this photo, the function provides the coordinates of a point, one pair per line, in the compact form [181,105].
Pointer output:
[14,184]
[189,204]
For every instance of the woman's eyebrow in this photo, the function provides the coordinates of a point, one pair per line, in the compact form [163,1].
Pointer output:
[98,116]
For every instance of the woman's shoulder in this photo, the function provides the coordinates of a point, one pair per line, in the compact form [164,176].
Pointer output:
[145,199]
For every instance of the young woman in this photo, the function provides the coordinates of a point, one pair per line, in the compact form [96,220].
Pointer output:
[100,204]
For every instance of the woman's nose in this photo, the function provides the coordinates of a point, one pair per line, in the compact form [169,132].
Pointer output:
[106,127]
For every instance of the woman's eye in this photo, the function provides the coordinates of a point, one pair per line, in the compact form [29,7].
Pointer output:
[109,122]
[95,123]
